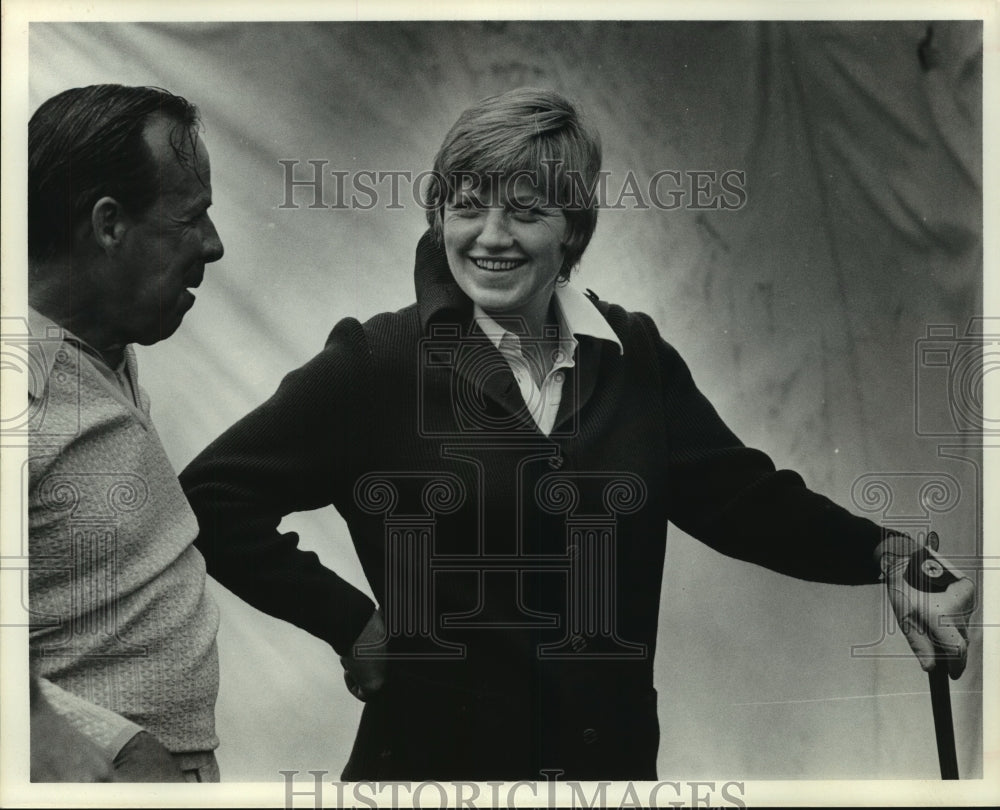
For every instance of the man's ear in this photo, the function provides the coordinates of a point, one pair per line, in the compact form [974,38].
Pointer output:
[108,223]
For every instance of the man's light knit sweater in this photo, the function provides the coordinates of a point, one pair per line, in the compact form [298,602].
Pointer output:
[120,615]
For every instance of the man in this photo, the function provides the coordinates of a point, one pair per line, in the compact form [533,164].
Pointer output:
[123,632]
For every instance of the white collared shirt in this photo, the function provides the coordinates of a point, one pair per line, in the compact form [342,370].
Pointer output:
[542,395]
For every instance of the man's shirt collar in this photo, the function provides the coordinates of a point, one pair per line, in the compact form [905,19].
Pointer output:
[47,339]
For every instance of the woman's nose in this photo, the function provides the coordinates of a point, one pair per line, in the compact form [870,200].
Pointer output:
[495,234]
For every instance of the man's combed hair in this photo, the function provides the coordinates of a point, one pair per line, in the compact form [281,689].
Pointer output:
[87,143]
[525,132]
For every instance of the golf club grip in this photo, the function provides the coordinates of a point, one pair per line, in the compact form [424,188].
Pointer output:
[944,729]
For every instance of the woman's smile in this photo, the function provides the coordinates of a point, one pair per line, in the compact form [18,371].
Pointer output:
[496,265]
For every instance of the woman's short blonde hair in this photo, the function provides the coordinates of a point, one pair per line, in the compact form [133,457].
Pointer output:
[527,131]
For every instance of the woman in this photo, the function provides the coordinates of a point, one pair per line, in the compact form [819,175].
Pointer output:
[506,453]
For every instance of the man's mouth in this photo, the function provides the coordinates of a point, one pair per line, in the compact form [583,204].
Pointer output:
[497,265]
[189,287]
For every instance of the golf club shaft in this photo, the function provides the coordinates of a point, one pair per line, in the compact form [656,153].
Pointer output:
[944,729]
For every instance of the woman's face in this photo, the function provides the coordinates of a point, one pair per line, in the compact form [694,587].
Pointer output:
[505,248]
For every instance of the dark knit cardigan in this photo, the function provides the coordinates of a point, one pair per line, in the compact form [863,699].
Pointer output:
[519,573]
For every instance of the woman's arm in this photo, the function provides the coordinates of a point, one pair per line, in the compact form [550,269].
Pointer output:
[294,452]
[732,498]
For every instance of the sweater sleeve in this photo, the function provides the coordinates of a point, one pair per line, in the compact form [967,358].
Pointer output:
[292,453]
[732,498]
[108,730]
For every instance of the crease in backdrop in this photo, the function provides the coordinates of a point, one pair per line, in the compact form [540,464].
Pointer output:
[800,315]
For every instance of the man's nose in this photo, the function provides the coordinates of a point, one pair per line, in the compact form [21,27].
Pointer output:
[495,234]
[212,247]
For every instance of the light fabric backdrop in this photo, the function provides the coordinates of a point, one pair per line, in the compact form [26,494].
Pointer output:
[801,316]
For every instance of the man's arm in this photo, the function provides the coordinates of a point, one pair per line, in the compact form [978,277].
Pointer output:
[293,453]
[60,752]
[73,740]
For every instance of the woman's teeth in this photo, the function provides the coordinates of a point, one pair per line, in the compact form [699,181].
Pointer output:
[497,264]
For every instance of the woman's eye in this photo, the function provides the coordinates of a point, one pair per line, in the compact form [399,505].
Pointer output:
[527,214]
[465,208]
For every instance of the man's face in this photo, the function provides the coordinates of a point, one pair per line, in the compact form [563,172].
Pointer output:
[164,251]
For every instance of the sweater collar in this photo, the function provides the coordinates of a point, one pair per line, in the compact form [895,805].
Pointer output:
[576,314]
[439,298]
